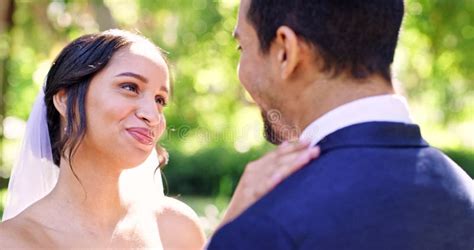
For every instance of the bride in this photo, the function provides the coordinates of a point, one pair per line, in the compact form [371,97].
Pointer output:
[99,115]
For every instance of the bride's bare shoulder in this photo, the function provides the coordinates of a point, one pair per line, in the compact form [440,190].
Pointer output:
[177,220]
[16,233]
[171,206]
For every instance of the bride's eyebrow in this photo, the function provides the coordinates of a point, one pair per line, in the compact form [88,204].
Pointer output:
[134,75]
[141,78]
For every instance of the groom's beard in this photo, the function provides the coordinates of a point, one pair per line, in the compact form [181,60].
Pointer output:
[274,129]
[269,132]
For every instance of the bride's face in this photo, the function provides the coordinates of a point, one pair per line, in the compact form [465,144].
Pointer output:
[124,106]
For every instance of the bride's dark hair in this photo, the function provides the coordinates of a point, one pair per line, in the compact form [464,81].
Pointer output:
[72,71]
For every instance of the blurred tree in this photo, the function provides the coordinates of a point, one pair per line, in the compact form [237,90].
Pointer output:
[6,25]
[103,15]
[436,65]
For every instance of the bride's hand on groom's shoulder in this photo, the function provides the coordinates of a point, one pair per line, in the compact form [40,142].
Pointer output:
[264,174]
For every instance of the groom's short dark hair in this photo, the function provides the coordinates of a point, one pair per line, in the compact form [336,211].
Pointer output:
[358,36]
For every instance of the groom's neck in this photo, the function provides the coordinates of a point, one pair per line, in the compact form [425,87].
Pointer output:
[326,94]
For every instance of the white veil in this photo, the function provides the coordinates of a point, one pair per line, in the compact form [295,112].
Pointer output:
[34,174]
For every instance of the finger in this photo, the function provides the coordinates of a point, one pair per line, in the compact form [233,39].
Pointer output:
[296,157]
[274,170]
[263,189]
[304,158]
[293,163]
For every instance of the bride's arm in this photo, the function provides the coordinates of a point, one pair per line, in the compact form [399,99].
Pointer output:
[262,175]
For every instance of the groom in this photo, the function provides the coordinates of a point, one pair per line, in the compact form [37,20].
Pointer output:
[322,67]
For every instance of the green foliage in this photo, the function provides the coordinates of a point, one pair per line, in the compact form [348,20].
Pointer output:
[438,47]
[3,193]
[211,171]
[3,183]
[464,158]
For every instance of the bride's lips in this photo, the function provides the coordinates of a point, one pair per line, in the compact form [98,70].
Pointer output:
[142,135]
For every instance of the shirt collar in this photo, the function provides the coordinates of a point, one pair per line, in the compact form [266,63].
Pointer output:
[383,108]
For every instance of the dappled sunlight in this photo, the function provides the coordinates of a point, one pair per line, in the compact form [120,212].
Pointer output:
[248,123]
[124,11]
[170,35]
[39,76]
[229,4]
[13,128]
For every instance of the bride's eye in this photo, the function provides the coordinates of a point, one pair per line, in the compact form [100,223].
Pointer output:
[130,87]
[161,100]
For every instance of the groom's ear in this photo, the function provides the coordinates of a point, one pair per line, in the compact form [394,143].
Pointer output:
[60,102]
[288,51]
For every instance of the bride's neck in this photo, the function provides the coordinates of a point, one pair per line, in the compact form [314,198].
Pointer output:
[90,189]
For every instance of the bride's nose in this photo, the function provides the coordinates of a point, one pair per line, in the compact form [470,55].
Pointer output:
[149,113]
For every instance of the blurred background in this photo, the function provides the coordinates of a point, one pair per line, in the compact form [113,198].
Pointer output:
[214,128]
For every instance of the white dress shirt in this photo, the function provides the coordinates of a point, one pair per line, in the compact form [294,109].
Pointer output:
[383,108]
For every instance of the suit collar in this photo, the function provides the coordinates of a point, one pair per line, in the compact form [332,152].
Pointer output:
[383,108]
[375,134]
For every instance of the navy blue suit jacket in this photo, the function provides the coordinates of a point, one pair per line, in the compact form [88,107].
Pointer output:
[376,185]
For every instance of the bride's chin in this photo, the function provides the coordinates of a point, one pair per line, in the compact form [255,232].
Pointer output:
[133,163]
[131,156]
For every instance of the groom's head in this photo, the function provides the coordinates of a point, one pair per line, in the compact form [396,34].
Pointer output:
[288,45]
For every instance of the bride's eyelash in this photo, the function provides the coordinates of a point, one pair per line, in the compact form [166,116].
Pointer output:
[161,100]
[130,87]
[133,87]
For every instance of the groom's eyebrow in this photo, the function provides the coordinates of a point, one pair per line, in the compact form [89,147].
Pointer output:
[134,75]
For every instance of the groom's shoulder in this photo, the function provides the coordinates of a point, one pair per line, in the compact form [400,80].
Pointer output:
[371,178]
[360,171]
[349,190]
[370,183]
